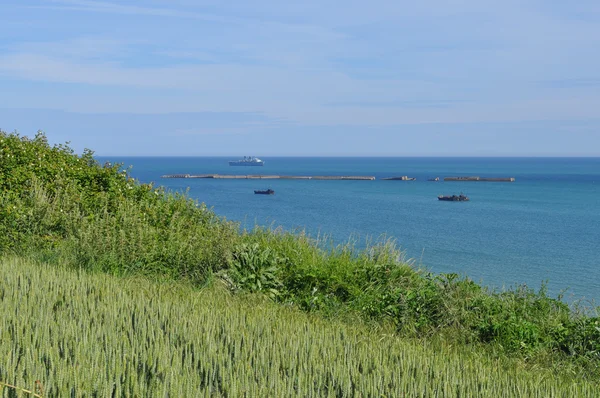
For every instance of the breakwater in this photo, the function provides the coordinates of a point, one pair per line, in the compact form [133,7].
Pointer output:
[475,178]
[324,177]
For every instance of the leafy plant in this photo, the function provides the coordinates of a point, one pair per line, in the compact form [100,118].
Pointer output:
[256,269]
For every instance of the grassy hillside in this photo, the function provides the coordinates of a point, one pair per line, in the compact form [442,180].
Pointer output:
[96,335]
[65,209]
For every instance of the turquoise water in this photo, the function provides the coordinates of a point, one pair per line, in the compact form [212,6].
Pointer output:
[543,227]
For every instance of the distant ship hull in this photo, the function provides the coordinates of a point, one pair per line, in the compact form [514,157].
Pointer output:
[267,192]
[454,198]
[240,163]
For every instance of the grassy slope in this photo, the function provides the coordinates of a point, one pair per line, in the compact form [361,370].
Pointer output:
[68,210]
[87,334]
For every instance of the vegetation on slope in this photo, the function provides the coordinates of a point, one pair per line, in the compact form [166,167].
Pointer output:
[94,335]
[67,209]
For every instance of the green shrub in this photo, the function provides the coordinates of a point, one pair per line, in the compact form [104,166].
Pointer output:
[580,337]
[256,269]
[60,206]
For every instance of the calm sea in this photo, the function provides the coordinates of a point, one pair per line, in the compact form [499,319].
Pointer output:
[543,227]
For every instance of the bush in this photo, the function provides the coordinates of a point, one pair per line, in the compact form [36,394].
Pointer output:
[69,208]
[256,269]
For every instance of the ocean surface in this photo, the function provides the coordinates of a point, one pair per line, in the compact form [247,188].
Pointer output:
[545,227]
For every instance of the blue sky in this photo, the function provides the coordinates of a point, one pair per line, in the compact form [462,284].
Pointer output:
[327,78]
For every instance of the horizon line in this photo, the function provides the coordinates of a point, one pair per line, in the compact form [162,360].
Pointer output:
[370,156]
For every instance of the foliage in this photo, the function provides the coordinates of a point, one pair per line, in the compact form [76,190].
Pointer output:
[69,208]
[256,269]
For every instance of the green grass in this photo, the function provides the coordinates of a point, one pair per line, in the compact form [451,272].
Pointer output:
[59,208]
[84,334]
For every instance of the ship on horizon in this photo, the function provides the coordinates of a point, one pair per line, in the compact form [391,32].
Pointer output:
[247,161]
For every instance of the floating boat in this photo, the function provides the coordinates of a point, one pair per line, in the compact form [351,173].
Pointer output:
[267,192]
[434,179]
[247,161]
[454,198]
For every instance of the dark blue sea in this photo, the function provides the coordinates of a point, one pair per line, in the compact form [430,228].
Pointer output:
[544,227]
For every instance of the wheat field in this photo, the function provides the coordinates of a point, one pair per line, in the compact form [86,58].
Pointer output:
[93,335]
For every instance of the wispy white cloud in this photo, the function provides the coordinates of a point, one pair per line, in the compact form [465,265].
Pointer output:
[592,83]
[220,131]
[77,48]
[169,12]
